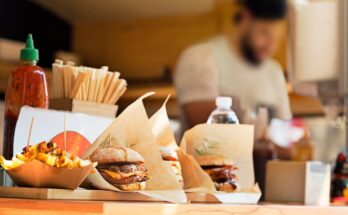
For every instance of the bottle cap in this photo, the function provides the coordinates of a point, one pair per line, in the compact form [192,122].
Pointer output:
[29,53]
[223,102]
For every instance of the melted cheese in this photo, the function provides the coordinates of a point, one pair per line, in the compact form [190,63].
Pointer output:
[119,175]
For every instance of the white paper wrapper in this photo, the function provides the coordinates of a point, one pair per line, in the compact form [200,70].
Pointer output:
[161,129]
[233,142]
[50,123]
[250,196]
[132,129]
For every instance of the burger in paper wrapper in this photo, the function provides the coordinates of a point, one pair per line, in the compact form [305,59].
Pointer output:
[122,167]
[224,153]
[221,171]
[132,130]
[170,156]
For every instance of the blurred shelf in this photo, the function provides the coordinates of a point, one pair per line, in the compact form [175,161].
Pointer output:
[162,91]
[300,105]
[5,69]
[305,105]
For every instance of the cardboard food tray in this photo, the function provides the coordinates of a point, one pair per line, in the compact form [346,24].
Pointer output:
[37,174]
[251,197]
[106,195]
[78,194]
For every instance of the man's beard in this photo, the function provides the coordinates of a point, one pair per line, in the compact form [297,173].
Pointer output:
[248,52]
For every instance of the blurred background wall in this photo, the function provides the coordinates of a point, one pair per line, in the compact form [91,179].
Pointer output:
[52,33]
[144,47]
[141,39]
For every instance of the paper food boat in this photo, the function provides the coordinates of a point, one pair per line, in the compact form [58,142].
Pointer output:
[40,175]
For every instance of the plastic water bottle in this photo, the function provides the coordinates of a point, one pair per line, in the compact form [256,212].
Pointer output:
[223,114]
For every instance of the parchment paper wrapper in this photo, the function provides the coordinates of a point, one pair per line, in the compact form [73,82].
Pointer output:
[161,129]
[192,173]
[233,142]
[132,129]
[38,174]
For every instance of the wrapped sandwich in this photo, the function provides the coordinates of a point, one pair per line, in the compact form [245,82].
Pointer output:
[169,155]
[122,167]
[221,171]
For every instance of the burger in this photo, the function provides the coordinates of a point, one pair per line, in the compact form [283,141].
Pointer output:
[170,156]
[221,171]
[122,167]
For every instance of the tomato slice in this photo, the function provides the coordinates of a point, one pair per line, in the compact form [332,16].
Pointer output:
[76,143]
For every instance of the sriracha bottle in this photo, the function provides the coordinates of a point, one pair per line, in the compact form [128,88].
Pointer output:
[26,86]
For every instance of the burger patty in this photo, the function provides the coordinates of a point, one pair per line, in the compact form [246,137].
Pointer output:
[222,174]
[227,186]
[125,180]
[169,158]
[123,167]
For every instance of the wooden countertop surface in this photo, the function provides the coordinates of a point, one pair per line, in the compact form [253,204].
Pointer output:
[52,207]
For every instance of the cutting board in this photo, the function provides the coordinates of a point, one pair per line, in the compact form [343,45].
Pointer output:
[105,195]
[78,194]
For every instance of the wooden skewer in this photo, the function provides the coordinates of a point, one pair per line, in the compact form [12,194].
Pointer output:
[84,83]
[65,80]
[75,74]
[102,85]
[83,92]
[112,91]
[119,88]
[92,85]
[65,132]
[77,85]
[120,95]
[112,88]
[30,130]
[68,72]
[87,83]
[107,83]
[98,73]
[70,63]
[56,78]
[60,81]
[100,81]
[110,140]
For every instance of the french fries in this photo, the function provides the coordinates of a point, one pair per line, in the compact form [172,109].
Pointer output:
[10,164]
[48,153]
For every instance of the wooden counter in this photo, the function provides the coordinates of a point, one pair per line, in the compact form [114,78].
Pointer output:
[52,207]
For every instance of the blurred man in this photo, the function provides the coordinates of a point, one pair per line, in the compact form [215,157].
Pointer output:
[236,65]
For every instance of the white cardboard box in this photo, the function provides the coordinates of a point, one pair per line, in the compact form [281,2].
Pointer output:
[298,182]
